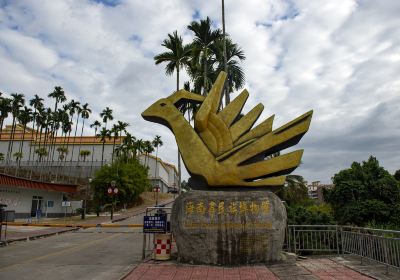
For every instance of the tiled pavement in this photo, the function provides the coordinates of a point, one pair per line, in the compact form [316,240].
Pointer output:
[323,268]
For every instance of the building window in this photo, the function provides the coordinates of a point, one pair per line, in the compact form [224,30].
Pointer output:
[50,203]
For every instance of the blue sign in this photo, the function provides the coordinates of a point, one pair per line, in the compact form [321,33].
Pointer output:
[155,224]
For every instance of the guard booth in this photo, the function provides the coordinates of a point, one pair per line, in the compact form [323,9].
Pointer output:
[157,237]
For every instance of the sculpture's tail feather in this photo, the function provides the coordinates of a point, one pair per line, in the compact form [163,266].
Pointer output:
[279,139]
[245,123]
[275,166]
[233,109]
[260,130]
[272,181]
[210,104]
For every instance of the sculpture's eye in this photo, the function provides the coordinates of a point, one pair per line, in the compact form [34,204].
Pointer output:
[162,104]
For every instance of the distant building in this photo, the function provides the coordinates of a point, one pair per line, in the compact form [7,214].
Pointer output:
[161,174]
[315,190]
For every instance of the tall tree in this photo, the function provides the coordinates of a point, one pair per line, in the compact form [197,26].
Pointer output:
[74,108]
[59,95]
[106,116]
[17,101]
[204,38]
[104,135]
[5,109]
[363,193]
[85,113]
[36,102]
[157,142]
[96,125]
[176,58]
[115,133]
[24,117]
[230,63]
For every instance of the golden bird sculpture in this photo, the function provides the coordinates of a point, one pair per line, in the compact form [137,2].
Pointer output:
[223,150]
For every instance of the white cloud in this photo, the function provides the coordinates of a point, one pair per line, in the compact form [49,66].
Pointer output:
[340,58]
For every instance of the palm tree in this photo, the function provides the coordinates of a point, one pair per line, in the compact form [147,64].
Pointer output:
[62,152]
[77,110]
[106,114]
[85,113]
[230,63]
[96,125]
[73,107]
[157,142]
[115,132]
[177,57]
[201,46]
[84,154]
[148,149]
[104,134]
[36,102]
[227,99]
[24,117]
[59,95]
[5,109]
[17,102]
[41,152]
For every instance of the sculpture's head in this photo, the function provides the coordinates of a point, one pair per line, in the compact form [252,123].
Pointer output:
[166,109]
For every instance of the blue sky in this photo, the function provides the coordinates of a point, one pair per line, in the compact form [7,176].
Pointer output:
[340,58]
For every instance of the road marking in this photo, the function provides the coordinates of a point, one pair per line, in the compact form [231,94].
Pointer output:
[61,252]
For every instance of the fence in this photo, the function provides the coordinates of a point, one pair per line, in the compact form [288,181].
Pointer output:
[378,245]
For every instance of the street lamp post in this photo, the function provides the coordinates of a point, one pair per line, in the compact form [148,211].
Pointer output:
[112,191]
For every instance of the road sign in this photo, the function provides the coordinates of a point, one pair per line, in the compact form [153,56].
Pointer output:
[156,189]
[155,224]
[115,190]
[110,190]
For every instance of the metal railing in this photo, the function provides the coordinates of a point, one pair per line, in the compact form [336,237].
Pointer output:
[378,245]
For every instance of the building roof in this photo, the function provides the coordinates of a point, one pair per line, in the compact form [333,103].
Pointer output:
[25,183]
[34,136]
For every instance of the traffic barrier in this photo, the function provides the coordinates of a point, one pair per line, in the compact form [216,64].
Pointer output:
[74,225]
[162,246]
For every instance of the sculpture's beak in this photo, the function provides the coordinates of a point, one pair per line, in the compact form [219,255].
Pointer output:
[148,113]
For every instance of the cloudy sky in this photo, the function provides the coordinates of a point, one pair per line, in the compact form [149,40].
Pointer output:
[340,58]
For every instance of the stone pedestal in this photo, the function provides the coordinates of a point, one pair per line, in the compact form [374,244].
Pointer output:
[228,228]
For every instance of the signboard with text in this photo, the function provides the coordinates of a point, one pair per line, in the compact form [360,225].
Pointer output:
[155,224]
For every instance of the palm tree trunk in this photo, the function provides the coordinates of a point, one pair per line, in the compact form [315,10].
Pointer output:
[102,152]
[179,153]
[80,143]
[21,145]
[112,157]
[91,166]
[73,147]
[10,143]
[30,147]
[226,89]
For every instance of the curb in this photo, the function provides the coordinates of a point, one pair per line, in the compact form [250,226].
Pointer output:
[30,238]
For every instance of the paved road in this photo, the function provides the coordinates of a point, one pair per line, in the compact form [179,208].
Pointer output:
[103,253]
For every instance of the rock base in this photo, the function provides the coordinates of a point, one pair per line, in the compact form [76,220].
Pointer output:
[228,228]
